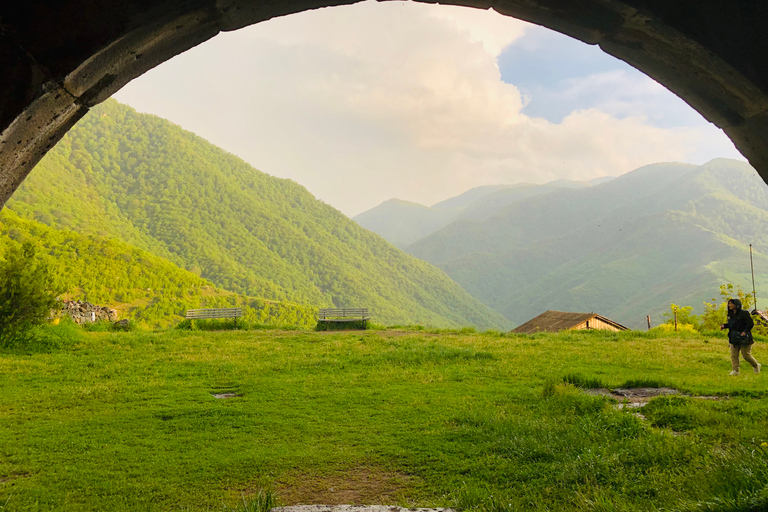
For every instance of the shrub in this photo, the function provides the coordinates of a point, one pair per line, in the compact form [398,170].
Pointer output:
[27,294]
[685,317]
[107,326]
[671,327]
[356,325]
[714,313]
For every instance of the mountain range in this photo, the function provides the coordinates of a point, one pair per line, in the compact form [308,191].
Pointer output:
[133,210]
[624,247]
[402,222]
[140,180]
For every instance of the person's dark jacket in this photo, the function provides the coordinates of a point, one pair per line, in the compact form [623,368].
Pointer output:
[741,321]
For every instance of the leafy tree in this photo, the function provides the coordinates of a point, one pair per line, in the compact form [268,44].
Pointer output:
[27,293]
[715,312]
[685,316]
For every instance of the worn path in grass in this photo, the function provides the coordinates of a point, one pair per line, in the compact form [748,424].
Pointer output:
[126,421]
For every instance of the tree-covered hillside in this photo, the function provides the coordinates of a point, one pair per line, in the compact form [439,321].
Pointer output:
[626,248]
[139,179]
[140,285]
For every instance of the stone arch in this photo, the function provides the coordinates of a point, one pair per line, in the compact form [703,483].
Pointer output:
[59,59]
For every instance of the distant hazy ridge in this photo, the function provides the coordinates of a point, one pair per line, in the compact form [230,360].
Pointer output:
[624,248]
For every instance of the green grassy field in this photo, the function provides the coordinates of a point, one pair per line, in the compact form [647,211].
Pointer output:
[128,421]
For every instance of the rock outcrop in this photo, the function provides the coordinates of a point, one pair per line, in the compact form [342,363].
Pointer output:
[83,312]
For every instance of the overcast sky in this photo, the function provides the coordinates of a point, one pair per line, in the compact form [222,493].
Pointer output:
[421,102]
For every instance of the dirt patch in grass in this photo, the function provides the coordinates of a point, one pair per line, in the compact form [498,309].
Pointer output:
[226,395]
[638,397]
[358,486]
[9,478]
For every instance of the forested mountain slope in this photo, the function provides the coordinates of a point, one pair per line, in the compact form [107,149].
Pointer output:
[140,285]
[626,248]
[142,180]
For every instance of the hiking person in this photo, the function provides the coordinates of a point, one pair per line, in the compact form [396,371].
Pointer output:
[739,326]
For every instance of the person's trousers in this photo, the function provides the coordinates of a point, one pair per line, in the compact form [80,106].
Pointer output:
[746,351]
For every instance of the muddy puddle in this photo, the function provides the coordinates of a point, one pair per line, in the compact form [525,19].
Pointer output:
[633,398]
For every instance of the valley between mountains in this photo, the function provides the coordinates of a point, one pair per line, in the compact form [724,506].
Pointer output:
[134,212]
[623,247]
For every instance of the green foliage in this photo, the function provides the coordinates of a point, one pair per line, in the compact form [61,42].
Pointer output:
[682,316]
[107,326]
[27,294]
[342,326]
[125,176]
[47,337]
[715,313]
[144,288]
[668,327]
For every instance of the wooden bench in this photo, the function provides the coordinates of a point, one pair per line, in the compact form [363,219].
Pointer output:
[205,314]
[344,315]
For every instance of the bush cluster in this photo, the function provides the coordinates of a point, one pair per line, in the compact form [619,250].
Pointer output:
[27,294]
[715,313]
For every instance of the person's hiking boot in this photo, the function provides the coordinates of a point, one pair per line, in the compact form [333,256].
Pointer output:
[734,372]
[757,368]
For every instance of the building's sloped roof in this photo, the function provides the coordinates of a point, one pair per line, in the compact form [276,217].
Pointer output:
[553,321]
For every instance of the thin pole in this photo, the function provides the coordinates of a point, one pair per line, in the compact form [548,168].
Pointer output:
[648,318]
[675,318]
[752,266]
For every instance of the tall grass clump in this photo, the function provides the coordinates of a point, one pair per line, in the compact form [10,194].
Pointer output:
[264,501]
[583,382]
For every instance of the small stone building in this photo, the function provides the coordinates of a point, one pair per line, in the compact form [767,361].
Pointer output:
[554,321]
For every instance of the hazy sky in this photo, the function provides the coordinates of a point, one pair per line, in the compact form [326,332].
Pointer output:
[421,102]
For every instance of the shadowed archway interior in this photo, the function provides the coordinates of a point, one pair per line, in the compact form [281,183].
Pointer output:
[59,59]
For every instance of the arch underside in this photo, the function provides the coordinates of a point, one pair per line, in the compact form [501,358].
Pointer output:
[59,60]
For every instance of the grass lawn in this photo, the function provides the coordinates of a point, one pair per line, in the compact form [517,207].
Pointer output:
[129,421]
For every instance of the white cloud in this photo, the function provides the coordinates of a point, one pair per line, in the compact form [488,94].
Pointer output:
[372,101]
[489,28]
